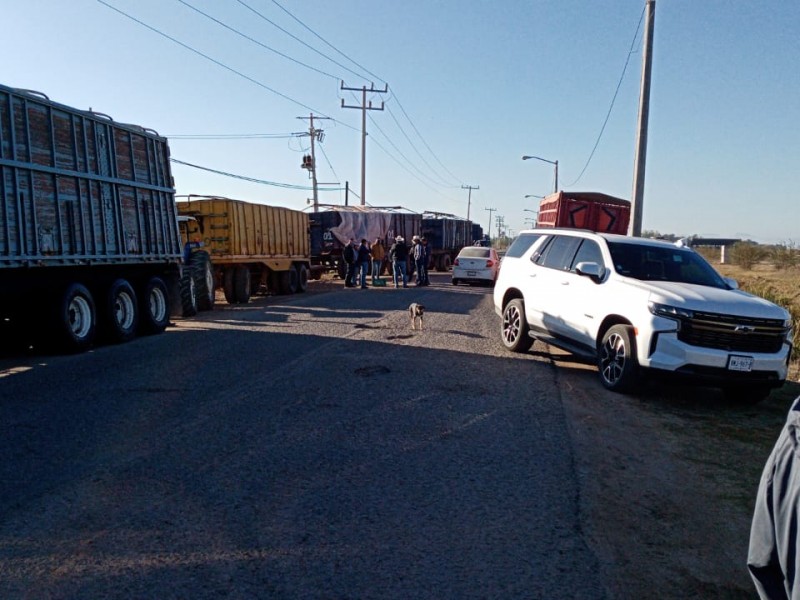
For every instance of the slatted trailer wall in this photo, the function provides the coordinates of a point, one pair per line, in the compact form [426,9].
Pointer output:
[85,203]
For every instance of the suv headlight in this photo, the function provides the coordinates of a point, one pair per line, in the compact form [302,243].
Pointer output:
[671,312]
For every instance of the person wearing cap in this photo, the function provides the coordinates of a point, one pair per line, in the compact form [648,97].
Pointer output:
[418,254]
[398,255]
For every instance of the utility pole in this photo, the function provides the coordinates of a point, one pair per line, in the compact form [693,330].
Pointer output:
[310,162]
[491,210]
[469,197]
[364,108]
[635,226]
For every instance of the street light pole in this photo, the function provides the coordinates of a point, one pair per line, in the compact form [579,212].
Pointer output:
[552,162]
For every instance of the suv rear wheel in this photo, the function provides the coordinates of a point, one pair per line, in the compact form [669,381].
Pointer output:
[616,362]
[514,327]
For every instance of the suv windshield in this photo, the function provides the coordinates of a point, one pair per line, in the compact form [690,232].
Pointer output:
[656,263]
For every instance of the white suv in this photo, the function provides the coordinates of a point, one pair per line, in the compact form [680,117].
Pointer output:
[637,306]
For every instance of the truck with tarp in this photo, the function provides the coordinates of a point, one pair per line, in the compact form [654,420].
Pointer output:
[334,226]
[585,210]
[89,242]
[251,248]
[446,235]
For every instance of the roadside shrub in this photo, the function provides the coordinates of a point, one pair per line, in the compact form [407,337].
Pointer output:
[785,256]
[747,254]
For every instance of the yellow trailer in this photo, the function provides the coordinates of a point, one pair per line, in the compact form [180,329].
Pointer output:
[252,248]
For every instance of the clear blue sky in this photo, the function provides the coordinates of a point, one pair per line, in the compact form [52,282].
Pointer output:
[473,86]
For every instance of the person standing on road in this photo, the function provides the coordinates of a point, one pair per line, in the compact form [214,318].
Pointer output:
[378,254]
[363,260]
[774,554]
[428,250]
[398,254]
[418,254]
[349,255]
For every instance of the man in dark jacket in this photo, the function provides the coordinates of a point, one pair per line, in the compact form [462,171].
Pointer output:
[363,259]
[350,255]
[398,254]
[773,559]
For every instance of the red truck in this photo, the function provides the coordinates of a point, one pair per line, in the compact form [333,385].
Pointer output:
[585,210]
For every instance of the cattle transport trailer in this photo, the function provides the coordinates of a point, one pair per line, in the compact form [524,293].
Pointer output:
[89,241]
[334,226]
[447,235]
[252,247]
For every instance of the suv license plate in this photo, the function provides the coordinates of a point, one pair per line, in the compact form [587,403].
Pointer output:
[740,363]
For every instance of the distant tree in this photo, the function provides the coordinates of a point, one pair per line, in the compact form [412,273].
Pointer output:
[785,256]
[747,254]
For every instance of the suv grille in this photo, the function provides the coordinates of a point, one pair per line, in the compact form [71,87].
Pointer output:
[726,332]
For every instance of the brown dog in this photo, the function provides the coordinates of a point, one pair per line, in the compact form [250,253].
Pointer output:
[416,312]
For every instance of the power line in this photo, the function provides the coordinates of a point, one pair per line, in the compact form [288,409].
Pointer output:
[255,41]
[394,94]
[408,139]
[231,136]
[397,99]
[216,62]
[326,42]
[294,37]
[252,179]
[613,100]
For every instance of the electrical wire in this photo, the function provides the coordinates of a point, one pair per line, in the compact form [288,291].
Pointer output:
[380,79]
[408,139]
[255,41]
[397,99]
[218,63]
[327,43]
[288,186]
[613,100]
[232,136]
[294,37]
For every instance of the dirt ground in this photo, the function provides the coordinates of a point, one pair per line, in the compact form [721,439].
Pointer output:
[669,480]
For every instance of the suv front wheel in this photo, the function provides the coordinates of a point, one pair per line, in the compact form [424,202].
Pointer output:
[619,369]
[514,327]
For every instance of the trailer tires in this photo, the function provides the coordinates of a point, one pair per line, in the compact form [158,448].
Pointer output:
[287,281]
[76,319]
[227,285]
[154,307]
[188,294]
[302,278]
[445,262]
[203,279]
[241,284]
[121,314]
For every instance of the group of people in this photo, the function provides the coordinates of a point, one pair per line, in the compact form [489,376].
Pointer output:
[359,258]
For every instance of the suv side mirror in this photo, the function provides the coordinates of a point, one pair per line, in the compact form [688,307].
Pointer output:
[732,283]
[592,270]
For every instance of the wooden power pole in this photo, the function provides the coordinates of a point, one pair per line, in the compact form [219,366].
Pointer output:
[635,226]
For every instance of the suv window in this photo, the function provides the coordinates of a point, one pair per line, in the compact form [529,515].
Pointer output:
[520,245]
[559,252]
[663,264]
[588,252]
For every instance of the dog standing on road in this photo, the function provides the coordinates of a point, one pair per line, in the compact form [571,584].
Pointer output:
[416,312]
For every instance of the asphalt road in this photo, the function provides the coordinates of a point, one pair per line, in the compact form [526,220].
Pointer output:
[309,446]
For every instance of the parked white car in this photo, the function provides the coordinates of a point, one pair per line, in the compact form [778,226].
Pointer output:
[476,264]
[640,307]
